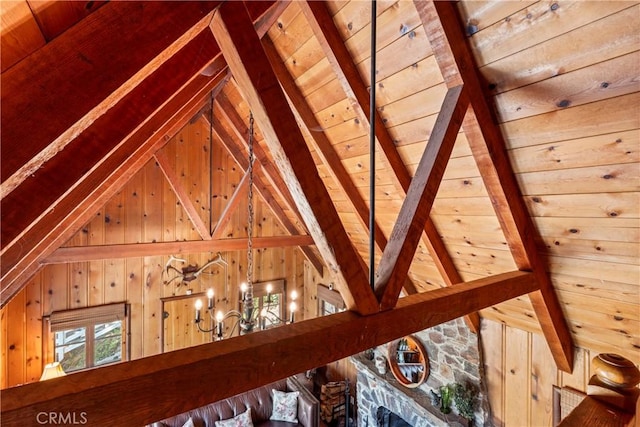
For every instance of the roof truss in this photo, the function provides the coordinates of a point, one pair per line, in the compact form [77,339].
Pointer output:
[80,192]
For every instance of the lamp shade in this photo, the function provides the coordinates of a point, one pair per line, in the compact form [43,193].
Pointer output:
[52,370]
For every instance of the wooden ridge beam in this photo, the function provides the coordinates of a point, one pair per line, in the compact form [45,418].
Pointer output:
[243,363]
[325,30]
[259,86]
[182,195]
[454,56]
[134,250]
[236,150]
[398,255]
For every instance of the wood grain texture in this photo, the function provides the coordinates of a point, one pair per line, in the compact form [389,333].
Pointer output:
[593,412]
[78,93]
[234,145]
[397,256]
[237,39]
[487,144]
[343,64]
[182,195]
[191,369]
[131,155]
[20,35]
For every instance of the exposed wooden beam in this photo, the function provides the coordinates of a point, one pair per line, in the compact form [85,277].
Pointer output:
[269,17]
[240,45]
[94,253]
[324,149]
[243,363]
[236,149]
[444,29]
[225,217]
[325,30]
[56,223]
[241,131]
[398,255]
[52,180]
[20,261]
[182,195]
[76,95]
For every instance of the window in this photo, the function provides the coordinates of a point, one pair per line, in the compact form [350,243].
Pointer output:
[329,301]
[90,337]
[274,306]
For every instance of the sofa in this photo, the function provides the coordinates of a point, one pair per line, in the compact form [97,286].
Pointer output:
[260,400]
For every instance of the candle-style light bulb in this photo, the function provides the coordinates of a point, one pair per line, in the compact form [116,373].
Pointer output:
[294,295]
[219,324]
[198,306]
[243,289]
[263,319]
[269,290]
[292,309]
[210,301]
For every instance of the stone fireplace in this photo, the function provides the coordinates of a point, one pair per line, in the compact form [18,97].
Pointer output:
[453,357]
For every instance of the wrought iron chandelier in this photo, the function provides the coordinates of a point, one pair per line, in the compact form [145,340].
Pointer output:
[247,319]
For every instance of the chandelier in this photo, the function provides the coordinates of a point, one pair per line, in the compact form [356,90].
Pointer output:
[247,318]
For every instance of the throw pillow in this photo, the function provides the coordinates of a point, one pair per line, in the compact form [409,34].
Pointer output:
[285,406]
[241,420]
[189,423]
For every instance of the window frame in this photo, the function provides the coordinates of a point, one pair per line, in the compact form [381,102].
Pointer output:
[88,318]
[260,291]
[330,296]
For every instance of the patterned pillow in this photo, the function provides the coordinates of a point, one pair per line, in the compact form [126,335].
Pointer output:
[241,420]
[285,406]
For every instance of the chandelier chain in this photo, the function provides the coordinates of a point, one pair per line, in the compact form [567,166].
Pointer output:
[250,209]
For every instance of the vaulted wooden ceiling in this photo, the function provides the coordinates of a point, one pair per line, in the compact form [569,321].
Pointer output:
[97,93]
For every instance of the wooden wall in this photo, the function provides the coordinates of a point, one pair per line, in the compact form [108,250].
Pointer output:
[145,210]
[520,375]
[565,83]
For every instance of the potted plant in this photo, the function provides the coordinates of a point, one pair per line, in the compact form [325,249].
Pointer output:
[464,396]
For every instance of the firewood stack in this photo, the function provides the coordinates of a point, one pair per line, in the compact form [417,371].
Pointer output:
[332,400]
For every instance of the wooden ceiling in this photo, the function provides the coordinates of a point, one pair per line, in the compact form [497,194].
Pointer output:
[498,148]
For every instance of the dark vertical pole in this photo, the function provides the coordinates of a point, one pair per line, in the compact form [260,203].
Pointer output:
[211,166]
[372,150]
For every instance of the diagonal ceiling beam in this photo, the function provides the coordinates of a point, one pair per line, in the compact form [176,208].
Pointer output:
[236,150]
[398,255]
[136,140]
[453,54]
[240,45]
[71,88]
[22,260]
[239,194]
[181,194]
[270,172]
[325,30]
[246,362]
[324,149]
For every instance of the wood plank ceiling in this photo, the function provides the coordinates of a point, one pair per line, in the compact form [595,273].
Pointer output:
[301,69]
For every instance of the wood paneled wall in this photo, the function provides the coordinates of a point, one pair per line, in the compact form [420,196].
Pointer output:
[146,210]
[520,375]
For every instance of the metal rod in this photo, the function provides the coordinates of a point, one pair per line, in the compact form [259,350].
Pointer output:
[372,149]
[211,166]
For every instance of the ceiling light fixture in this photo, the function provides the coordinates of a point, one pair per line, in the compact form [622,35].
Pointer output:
[247,319]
